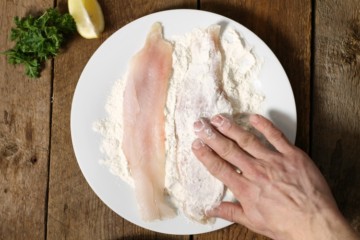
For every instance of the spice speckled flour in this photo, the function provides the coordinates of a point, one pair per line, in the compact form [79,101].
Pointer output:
[209,77]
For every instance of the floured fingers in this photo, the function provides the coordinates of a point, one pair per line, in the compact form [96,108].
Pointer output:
[224,147]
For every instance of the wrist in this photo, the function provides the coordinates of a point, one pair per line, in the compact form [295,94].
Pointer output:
[331,225]
[326,225]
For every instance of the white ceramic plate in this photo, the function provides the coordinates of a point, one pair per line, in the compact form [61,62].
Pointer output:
[109,63]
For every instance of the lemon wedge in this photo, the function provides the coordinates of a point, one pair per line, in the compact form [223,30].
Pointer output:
[88,17]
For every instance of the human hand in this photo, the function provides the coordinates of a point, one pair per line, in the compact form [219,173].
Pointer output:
[281,192]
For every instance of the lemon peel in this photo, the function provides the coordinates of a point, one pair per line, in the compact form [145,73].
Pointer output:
[88,17]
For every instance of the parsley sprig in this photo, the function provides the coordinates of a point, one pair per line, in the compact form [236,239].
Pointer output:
[38,39]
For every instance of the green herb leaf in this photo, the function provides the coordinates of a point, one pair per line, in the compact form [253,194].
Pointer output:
[38,39]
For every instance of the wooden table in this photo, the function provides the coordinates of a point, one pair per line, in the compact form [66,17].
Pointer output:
[43,193]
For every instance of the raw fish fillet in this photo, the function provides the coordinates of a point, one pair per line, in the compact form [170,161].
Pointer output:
[200,95]
[144,124]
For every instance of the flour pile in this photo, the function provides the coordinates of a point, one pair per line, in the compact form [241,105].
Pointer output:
[209,77]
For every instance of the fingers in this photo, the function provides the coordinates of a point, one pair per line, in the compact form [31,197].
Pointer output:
[245,139]
[224,147]
[230,211]
[219,168]
[272,134]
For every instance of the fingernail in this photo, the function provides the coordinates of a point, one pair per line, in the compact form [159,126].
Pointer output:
[208,212]
[199,125]
[211,212]
[217,120]
[254,119]
[197,144]
[220,121]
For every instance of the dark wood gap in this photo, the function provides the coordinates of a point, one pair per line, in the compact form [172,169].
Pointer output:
[312,67]
[49,151]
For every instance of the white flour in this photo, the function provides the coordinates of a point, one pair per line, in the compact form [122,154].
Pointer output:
[239,72]
[196,88]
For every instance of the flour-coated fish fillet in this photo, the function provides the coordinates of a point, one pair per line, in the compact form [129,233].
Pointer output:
[144,124]
[200,95]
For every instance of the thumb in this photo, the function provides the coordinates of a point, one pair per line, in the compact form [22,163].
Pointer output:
[229,211]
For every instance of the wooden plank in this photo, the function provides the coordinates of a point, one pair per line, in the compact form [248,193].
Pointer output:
[75,212]
[24,136]
[285,26]
[336,98]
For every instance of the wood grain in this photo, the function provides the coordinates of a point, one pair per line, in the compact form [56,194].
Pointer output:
[24,136]
[336,98]
[34,111]
[285,26]
[74,211]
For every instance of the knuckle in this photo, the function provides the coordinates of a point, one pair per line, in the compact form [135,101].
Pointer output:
[246,139]
[216,168]
[231,214]
[260,173]
[276,134]
[227,150]
[299,158]
[291,153]
[278,165]
[266,123]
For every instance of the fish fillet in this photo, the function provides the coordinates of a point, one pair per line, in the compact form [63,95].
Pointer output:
[144,124]
[200,95]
